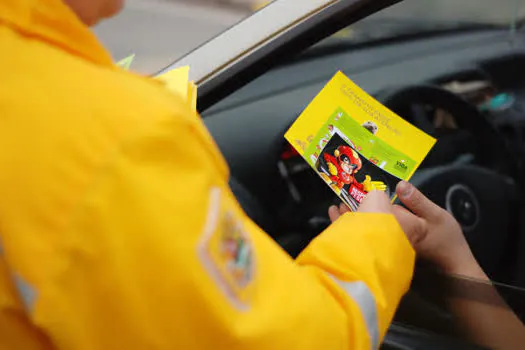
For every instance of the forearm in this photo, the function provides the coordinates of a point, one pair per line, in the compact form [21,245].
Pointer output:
[481,312]
[349,254]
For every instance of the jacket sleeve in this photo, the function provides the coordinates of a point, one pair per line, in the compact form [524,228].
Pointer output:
[161,256]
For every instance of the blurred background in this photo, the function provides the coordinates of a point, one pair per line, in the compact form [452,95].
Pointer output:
[160,31]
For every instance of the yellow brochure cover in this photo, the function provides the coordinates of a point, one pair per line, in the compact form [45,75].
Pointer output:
[356,144]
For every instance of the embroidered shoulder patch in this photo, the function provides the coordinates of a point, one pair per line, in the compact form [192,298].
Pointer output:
[227,251]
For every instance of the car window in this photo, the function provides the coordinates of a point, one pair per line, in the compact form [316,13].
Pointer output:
[429,303]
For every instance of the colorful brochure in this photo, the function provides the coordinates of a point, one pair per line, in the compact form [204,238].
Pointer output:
[356,144]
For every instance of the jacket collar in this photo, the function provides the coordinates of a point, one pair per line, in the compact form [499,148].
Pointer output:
[55,23]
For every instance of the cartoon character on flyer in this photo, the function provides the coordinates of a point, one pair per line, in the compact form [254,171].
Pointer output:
[342,167]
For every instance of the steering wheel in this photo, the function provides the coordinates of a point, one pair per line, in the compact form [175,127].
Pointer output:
[481,194]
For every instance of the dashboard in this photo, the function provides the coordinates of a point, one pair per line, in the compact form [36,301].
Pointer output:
[487,68]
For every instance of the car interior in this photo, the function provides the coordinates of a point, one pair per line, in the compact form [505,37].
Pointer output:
[466,87]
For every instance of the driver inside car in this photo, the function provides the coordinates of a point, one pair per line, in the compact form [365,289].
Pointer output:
[119,230]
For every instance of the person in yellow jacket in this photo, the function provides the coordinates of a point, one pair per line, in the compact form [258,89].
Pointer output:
[118,229]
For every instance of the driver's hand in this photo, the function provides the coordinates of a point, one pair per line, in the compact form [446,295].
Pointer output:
[434,233]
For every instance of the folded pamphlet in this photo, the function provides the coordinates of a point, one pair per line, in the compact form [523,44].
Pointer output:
[175,80]
[355,144]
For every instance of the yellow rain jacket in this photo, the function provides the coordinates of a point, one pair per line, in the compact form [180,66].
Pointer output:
[118,229]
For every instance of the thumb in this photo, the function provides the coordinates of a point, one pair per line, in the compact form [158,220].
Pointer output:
[414,227]
[416,201]
[376,202]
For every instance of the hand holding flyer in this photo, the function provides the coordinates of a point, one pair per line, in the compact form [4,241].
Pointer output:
[356,144]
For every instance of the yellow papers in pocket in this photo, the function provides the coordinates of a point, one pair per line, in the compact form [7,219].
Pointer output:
[126,62]
[192,96]
[177,81]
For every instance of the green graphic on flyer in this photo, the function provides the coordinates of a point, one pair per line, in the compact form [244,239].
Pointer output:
[363,141]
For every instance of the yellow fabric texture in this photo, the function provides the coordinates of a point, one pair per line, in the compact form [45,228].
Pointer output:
[107,181]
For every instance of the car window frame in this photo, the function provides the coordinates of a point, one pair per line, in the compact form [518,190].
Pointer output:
[218,77]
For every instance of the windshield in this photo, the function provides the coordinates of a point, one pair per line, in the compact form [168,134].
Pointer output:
[419,17]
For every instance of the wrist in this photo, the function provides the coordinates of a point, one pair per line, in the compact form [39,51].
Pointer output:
[467,266]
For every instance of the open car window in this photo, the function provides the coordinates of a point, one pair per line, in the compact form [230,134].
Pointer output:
[428,304]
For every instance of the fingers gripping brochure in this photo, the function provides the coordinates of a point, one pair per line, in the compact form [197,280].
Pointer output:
[355,144]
